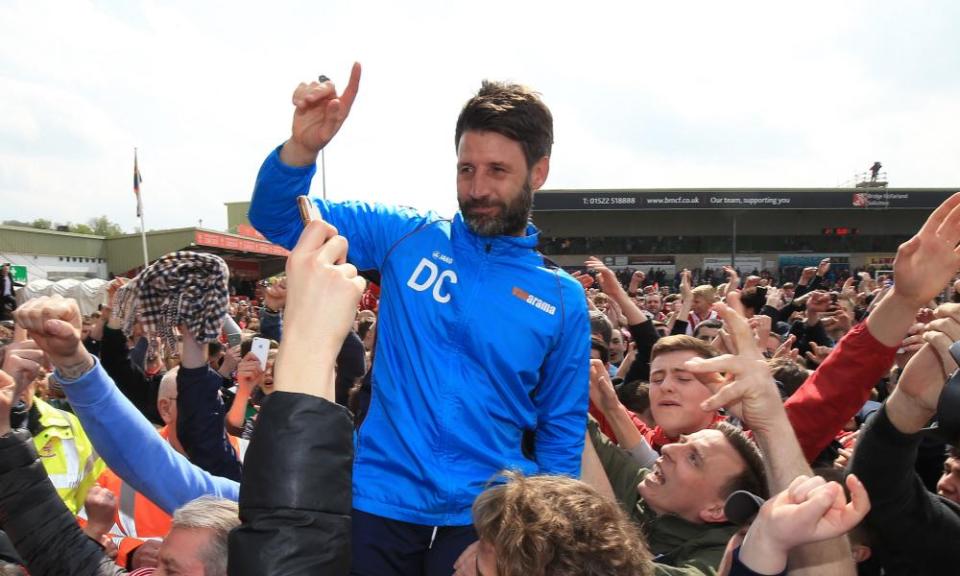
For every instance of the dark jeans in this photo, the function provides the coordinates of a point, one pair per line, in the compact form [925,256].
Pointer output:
[385,547]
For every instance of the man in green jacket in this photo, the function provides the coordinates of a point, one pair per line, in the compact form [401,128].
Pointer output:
[678,503]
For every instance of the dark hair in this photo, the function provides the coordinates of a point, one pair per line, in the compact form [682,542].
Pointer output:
[596,343]
[513,111]
[600,326]
[711,323]
[754,476]
[788,373]
[214,347]
[635,395]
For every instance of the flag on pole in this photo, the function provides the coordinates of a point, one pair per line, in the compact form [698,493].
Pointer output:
[136,184]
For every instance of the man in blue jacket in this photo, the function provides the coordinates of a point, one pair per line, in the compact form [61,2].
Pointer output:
[481,341]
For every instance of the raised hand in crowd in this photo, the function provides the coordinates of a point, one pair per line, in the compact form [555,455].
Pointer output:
[774,297]
[316,272]
[8,397]
[823,267]
[848,291]
[305,517]
[751,282]
[787,350]
[611,286]
[839,321]
[733,278]
[807,275]
[923,267]
[915,399]
[636,281]
[319,114]
[747,389]
[810,510]
[22,360]
[231,360]
[817,354]
[100,506]
[249,375]
[54,324]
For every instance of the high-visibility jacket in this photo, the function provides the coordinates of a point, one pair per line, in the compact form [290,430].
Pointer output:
[136,519]
[67,454]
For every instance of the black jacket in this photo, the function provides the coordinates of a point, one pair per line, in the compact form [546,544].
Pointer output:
[140,389]
[42,529]
[916,531]
[295,498]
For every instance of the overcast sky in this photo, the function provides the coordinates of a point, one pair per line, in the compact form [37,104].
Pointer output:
[644,94]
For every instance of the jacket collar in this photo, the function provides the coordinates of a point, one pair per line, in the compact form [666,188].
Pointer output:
[500,245]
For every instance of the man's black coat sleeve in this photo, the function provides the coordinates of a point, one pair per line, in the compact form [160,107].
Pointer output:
[295,497]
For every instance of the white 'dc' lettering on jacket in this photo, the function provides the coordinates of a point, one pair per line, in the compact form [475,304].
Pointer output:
[435,278]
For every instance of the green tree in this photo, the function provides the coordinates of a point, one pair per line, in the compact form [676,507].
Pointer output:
[102,226]
[42,223]
[81,229]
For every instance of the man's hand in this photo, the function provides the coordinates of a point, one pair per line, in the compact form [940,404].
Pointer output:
[774,297]
[602,393]
[100,506]
[231,359]
[915,399]
[928,261]
[585,280]
[319,114]
[313,335]
[810,510]
[466,564]
[746,387]
[838,319]
[147,555]
[607,278]
[54,323]
[818,302]
[636,281]
[8,396]
[249,373]
[807,275]
[786,350]
[761,326]
[733,279]
[22,360]
[686,289]
[848,291]
[817,354]
[823,267]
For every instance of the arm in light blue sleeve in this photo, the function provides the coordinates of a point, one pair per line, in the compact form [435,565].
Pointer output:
[370,229]
[562,398]
[132,448]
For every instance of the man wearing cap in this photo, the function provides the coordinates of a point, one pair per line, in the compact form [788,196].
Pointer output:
[482,342]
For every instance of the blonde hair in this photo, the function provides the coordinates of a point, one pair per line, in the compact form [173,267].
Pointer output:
[706,291]
[558,526]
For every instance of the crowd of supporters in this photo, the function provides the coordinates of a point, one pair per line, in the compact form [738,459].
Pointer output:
[479,411]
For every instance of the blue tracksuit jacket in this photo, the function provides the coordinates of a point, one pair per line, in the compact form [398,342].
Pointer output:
[479,339]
